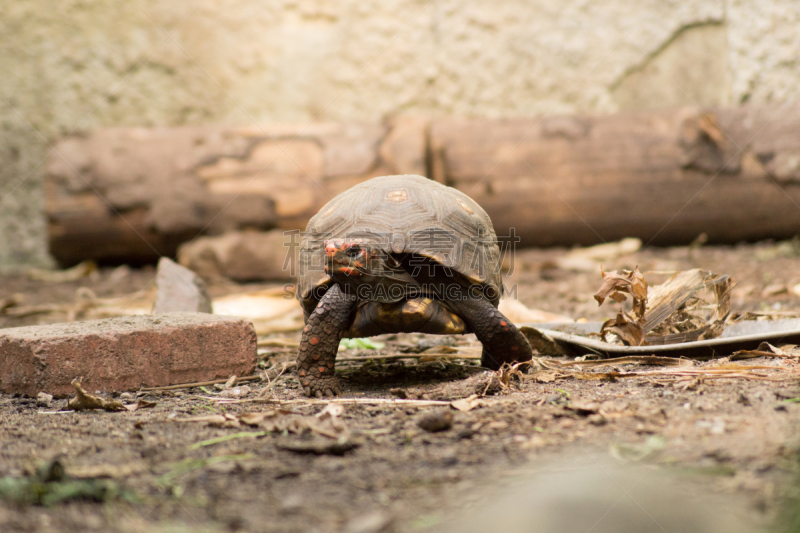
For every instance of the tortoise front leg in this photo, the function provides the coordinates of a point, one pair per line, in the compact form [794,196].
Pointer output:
[502,341]
[320,342]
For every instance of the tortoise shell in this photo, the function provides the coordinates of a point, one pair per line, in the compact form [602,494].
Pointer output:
[404,214]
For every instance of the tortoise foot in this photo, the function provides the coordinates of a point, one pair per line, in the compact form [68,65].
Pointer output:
[321,387]
[502,341]
[316,356]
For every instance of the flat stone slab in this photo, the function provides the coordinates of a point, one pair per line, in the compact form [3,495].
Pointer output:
[180,290]
[125,353]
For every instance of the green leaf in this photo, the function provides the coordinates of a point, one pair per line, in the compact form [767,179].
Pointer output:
[361,343]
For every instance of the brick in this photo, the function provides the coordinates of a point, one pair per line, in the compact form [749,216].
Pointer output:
[125,353]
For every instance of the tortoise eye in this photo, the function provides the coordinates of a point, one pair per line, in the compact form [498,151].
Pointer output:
[354,251]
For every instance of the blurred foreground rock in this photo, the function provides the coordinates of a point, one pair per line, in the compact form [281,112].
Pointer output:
[125,353]
[180,290]
[597,495]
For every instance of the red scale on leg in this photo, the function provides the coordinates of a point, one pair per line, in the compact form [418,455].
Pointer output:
[320,342]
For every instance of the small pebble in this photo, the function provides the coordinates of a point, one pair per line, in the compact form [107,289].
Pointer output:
[436,421]
[126,396]
[236,392]
[44,399]
[374,522]
[399,393]
[597,419]
[424,344]
[292,502]
[465,433]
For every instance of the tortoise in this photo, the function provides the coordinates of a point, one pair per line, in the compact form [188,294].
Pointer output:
[399,254]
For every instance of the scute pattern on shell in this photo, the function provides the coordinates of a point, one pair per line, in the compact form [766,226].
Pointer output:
[405,214]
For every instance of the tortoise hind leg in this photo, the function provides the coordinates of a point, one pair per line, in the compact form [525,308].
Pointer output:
[320,342]
[502,341]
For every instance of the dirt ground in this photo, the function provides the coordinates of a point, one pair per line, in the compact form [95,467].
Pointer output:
[374,467]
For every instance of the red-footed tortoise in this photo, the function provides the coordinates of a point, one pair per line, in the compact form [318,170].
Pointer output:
[400,254]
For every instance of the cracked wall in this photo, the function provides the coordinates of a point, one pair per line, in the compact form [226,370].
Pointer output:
[80,64]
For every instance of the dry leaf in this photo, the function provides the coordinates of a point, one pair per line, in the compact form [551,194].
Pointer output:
[254,419]
[467,404]
[326,423]
[332,410]
[12,301]
[671,313]
[60,276]
[141,404]
[775,290]
[85,401]
[583,408]
[543,376]
[616,285]
[628,331]
[223,421]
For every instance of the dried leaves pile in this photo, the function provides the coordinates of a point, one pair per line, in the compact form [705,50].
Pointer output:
[668,313]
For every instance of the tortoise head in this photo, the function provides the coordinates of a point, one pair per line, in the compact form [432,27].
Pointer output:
[347,257]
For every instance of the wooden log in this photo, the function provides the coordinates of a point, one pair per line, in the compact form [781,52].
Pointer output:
[134,194]
[664,177]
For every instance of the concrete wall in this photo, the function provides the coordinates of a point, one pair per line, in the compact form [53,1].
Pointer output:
[77,64]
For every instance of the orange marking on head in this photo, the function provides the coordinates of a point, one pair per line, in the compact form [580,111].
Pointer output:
[349,271]
[314,340]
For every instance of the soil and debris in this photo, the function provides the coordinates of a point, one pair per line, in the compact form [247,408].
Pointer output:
[422,434]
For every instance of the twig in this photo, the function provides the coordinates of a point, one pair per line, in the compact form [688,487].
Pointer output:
[351,401]
[639,360]
[394,356]
[30,310]
[254,377]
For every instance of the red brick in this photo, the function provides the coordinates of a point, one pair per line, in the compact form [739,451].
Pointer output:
[125,353]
